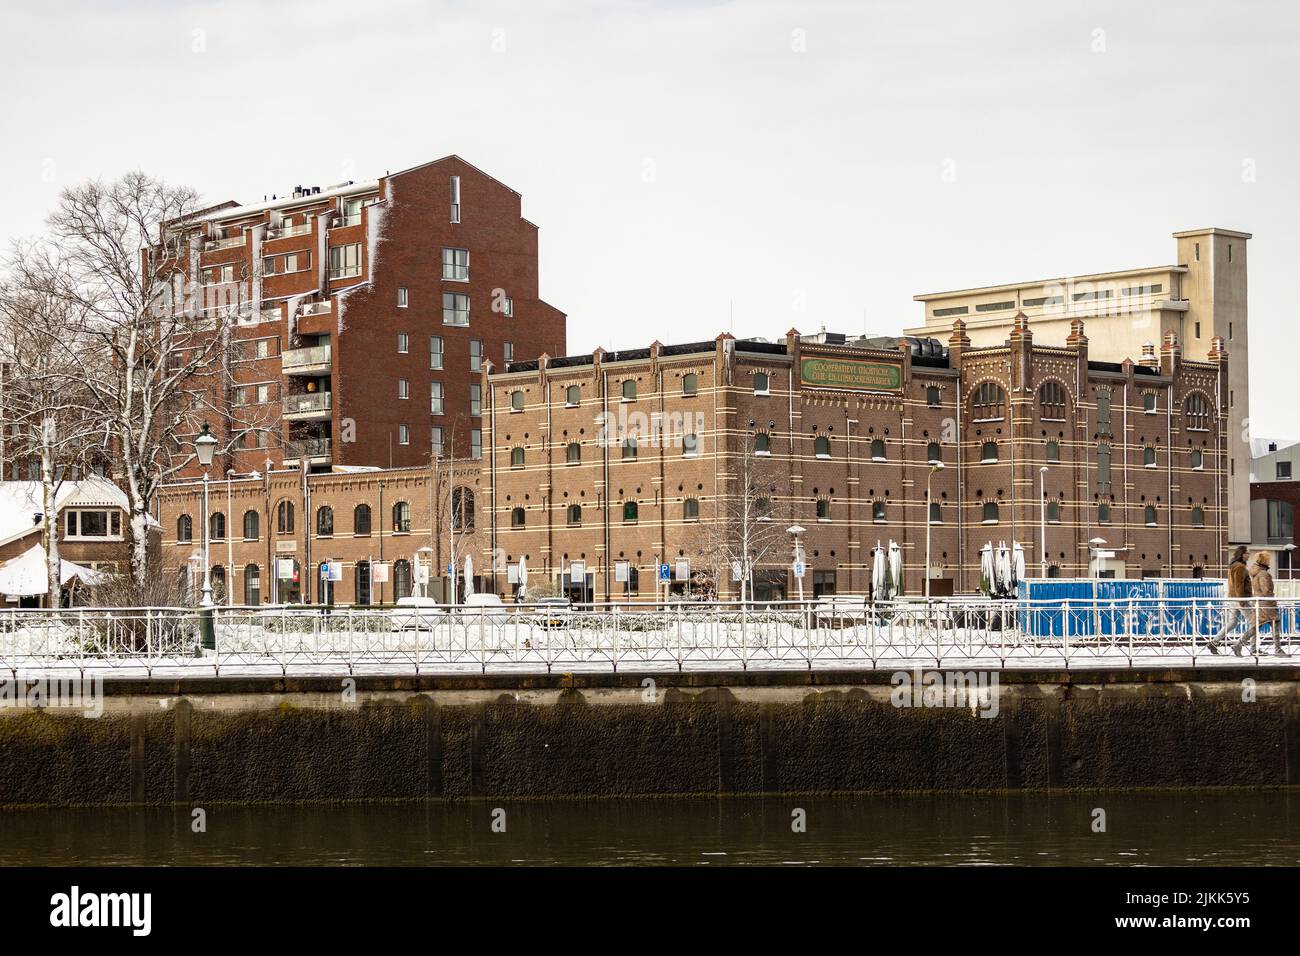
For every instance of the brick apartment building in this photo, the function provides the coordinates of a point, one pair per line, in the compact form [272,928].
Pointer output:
[365,310]
[839,436]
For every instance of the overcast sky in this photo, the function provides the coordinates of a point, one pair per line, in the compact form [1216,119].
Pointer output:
[701,167]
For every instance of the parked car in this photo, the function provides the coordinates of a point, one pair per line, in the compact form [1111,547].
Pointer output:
[415,612]
[553,612]
[487,606]
[842,610]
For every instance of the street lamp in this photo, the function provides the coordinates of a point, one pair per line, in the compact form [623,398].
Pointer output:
[1094,548]
[1290,562]
[204,446]
[1042,519]
[794,531]
[934,466]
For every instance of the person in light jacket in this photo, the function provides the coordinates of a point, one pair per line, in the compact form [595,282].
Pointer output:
[1264,610]
[1237,606]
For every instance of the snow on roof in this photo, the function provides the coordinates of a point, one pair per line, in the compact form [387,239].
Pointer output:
[20,500]
[25,575]
[239,212]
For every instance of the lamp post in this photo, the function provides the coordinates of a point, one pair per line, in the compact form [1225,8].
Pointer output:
[1290,562]
[934,466]
[1094,548]
[204,446]
[795,531]
[1042,520]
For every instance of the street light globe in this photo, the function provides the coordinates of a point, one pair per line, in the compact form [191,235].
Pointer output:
[795,529]
[204,446]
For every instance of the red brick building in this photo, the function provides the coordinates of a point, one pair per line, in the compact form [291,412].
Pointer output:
[364,312]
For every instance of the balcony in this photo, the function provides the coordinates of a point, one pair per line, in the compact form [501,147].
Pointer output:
[307,406]
[212,245]
[318,308]
[286,232]
[310,361]
[315,450]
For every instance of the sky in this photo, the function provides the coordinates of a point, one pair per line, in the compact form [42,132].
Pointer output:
[701,167]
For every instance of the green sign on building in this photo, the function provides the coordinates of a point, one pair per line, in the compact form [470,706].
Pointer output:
[851,375]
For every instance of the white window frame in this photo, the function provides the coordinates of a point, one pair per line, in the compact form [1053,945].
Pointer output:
[403,297]
[455,264]
[437,402]
[436,339]
[454,309]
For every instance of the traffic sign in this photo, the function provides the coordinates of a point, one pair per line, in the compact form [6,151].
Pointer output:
[665,572]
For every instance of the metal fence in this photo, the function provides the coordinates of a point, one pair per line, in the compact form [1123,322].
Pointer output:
[830,633]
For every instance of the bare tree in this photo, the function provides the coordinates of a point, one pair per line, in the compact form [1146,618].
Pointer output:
[748,531]
[132,249]
[51,415]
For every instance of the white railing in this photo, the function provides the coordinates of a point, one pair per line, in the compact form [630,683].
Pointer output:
[284,232]
[966,634]
[305,357]
[211,245]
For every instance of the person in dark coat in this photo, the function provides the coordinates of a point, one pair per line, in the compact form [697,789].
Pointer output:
[1238,602]
[1265,607]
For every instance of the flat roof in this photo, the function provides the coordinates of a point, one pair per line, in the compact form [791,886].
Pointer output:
[1007,286]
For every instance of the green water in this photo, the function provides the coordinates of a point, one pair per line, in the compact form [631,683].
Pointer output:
[1185,828]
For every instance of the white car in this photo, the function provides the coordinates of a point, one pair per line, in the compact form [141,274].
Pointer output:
[486,606]
[553,612]
[415,612]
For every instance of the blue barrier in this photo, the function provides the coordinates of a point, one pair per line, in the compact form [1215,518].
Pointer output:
[1086,607]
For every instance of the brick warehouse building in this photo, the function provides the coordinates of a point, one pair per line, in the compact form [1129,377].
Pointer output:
[838,436]
[365,310]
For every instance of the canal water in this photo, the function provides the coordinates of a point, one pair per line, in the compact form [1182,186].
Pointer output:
[1182,828]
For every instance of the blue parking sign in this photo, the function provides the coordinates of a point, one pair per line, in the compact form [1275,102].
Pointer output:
[665,573]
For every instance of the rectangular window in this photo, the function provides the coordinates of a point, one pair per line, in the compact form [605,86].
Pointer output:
[435,440]
[263,394]
[1283,470]
[435,351]
[507,307]
[268,265]
[476,399]
[402,297]
[455,308]
[403,388]
[994,306]
[956,310]
[403,435]
[435,398]
[476,443]
[297,261]
[475,355]
[455,264]
[1103,412]
[455,199]
[1198,329]
[508,352]
[93,524]
[263,348]
[403,343]
[345,261]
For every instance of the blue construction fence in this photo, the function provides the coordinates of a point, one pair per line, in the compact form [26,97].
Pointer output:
[1085,607]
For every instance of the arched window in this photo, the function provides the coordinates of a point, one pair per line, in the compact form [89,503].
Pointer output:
[989,402]
[573,395]
[184,528]
[573,453]
[284,517]
[252,584]
[1148,457]
[629,448]
[517,518]
[1197,412]
[401,579]
[989,452]
[877,449]
[1198,459]
[936,512]
[762,444]
[822,446]
[629,512]
[324,521]
[462,509]
[823,509]
[932,396]
[934,453]
[761,383]
[1053,452]
[877,510]
[690,383]
[361,519]
[402,517]
[1149,516]
[217,526]
[1198,516]
[1053,570]
[763,508]
[516,457]
[1103,512]
[517,400]
[990,515]
[1054,512]
[1149,402]
[252,521]
[1051,401]
[361,583]
[575,515]
[1103,466]
[691,509]
[629,389]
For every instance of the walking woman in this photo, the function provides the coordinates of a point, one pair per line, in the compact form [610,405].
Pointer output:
[1237,604]
[1265,609]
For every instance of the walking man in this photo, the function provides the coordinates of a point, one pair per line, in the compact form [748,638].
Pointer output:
[1265,610]
[1238,592]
